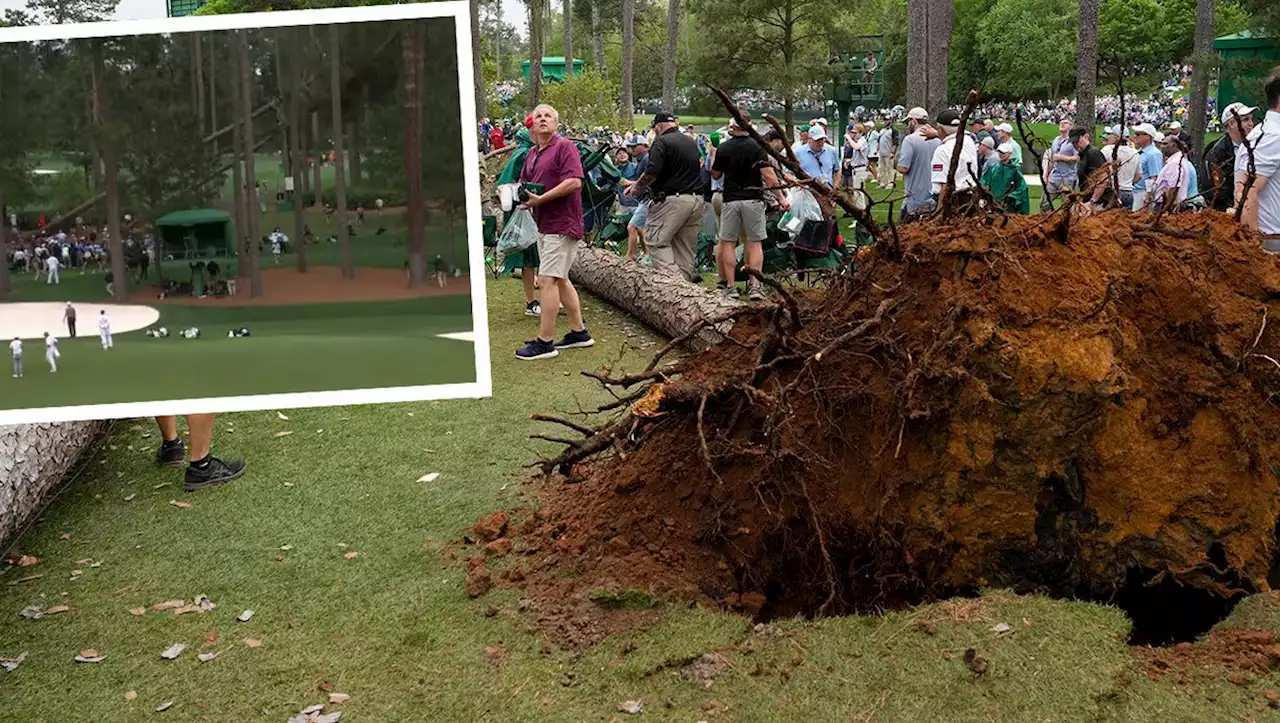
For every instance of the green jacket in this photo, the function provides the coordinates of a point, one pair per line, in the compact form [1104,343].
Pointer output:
[1005,182]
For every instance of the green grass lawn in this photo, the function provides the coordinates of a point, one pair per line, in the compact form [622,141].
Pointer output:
[393,628]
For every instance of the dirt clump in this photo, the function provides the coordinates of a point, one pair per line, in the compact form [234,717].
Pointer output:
[1073,407]
[1239,654]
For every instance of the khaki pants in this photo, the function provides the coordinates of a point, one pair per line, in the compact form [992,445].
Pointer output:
[671,233]
[885,174]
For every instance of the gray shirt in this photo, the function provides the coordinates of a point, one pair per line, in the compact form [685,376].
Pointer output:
[885,142]
[1063,171]
[916,155]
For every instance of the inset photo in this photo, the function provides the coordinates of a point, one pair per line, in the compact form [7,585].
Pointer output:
[239,212]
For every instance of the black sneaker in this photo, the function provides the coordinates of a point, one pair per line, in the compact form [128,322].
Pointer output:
[537,349]
[533,308]
[171,454]
[215,473]
[576,340]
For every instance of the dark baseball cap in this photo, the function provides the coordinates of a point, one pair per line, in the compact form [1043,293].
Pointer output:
[949,118]
[662,117]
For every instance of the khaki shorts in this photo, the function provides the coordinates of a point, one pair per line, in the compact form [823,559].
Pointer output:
[555,255]
[742,219]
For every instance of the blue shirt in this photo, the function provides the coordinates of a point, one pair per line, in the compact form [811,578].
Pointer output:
[1193,182]
[1152,163]
[629,171]
[820,165]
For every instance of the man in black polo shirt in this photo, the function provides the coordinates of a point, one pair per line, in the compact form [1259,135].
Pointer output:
[745,168]
[677,205]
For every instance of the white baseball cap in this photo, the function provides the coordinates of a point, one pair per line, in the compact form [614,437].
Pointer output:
[1175,126]
[989,142]
[1146,129]
[1244,110]
[817,133]
[1005,147]
[918,114]
[869,124]
[1006,128]
[1158,137]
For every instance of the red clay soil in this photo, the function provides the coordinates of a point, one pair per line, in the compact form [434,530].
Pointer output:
[1049,416]
[320,284]
[1238,654]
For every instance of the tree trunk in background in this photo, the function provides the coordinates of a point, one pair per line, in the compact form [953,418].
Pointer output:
[665,301]
[296,155]
[34,461]
[250,172]
[568,38]
[6,283]
[628,58]
[1202,61]
[237,157]
[941,17]
[669,60]
[1087,67]
[318,150]
[918,54]
[409,46]
[339,172]
[213,90]
[357,121]
[535,51]
[95,153]
[199,72]
[278,39]
[597,40]
[106,145]
[477,61]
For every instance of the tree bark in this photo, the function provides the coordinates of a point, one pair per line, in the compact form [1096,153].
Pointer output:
[34,460]
[6,283]
[339,173]
[597,40]
[213,91]
[318,151]
[477,70]
[665,301]
[411,43]
[357,122]
[535,51]
[296,154]
[669,59]
[199,76]
[106,145]
[1087,66]
[917,53]
[941,17]
[1202,58]
[568,38]
[250,171]
[628,58]
[238,154]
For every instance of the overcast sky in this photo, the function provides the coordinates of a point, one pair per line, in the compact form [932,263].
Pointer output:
[512,10]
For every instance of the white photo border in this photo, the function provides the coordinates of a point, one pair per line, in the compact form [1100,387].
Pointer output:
[458,11]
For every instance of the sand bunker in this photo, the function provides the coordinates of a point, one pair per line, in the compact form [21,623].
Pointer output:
[30,320]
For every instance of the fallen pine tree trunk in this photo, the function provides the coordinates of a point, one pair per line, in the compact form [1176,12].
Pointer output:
[34,460]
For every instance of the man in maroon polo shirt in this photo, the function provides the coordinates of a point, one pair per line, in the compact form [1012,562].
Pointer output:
[553,164]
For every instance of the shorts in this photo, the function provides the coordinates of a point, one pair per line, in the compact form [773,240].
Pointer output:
[556,253]
[742,219]
[642,213]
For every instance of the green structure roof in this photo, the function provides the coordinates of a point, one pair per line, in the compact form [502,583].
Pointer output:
[1245,39]
[192,217]
[553,67]
[181,8]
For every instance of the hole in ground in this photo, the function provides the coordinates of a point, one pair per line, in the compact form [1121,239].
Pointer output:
[1168,613]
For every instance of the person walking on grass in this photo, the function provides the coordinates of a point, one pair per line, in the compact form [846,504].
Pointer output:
[204,470]
[442,271]
[554,164]
[51,352]
[104,330]
[69,316]
[53,265]
[15,348]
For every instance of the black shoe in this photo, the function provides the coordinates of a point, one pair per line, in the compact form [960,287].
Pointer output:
[537,349]
[533,308]
[576,340]
[215,473]
[171,454]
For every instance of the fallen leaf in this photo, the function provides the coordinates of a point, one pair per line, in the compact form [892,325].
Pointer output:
[336,698]
[162,484]
[203,602]
[429,477]
[76,573]
[131,695]
[330,717]
[342,544]
[1001,628]
[181,504]
[631,707]
[11,664]
[286,548]
[137,611]
[206,657]
[244,616]
[168,605]
[27,561]
[211,637]
[279,558]
[89,656]
[28,578]
[351,555]
[65,536]
[57,609]
[164,706]
[130,498]
[288,484]
[278,435]
[32,612]
[96,564]
[186,609]
[312,709]
[173,651]
[282,416]
[85,561]
[325,686]
[253,643]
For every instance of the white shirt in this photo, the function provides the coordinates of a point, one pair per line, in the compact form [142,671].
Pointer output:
[1265,140]
[51,342]
[52,263]
[15,346]
[104,323]
[966,170]
[1129,166]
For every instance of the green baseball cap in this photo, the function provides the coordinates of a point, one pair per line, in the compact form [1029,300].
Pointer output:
[804,128]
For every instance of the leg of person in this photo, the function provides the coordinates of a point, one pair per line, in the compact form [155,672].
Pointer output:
[553,264]
[17,367]
[171,452]
[755,230]
[578,336]
[206,470]
[635,229]
[661,225]
[727,247]
[53,362]
[685,245]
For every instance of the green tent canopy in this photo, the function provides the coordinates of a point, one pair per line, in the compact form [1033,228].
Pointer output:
[196,233]
[553,68]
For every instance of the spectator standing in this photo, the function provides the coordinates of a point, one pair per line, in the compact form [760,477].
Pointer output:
[1005,182]
[914,162]
[1129,170]
[554,164]
[1091,159]
[676,205]
[1063,175]
[1262,204]
[205,470]
[817,158]
[745,170]
[1220,156]
[966,171]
